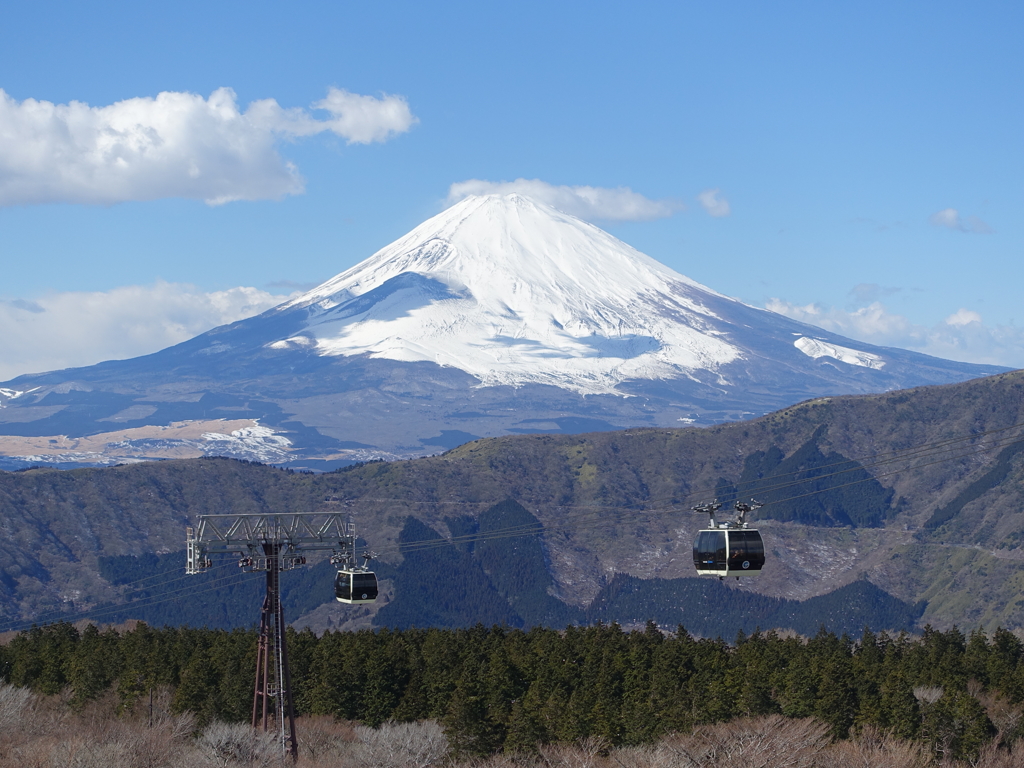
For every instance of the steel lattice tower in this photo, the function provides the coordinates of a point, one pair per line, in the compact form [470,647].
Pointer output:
[270,544]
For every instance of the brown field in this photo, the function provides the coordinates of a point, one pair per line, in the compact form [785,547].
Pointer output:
[46,731]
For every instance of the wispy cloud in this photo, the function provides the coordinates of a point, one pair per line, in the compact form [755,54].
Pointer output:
[712,201]
[173,145]
[865,293]
[590,203]
[950,218]
[961,336]
[291,286]
[64,330]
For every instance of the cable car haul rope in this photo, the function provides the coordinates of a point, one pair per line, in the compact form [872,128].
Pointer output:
[584,517]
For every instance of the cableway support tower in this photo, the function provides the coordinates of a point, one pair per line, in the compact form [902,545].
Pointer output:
[270,543]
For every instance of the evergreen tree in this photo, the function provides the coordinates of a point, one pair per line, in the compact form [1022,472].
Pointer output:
[523,732]
[836,702]
[1004,666]
[639,718]
[193,693]
[93,665]
[800,688]
[868,657]
[956,726]
[469,729]
[386,675]
[899,712]
[756,662]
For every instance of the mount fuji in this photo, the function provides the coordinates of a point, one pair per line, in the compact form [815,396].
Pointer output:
[500,315]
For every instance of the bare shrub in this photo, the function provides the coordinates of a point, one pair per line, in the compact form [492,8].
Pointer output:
[1005,715]
[502,761]
[928,694]
[322,737]
[80,742]
[872,748]
[85,753]
[991,756]
[401,745]
[646,756]
[774,741]
[585,753]
[13,703]
[227,743]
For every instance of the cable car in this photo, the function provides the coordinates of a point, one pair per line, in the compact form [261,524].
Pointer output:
[730,548]
[355,585]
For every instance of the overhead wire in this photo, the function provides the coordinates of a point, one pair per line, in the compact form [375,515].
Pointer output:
[174,577]
[530,529]
[896,455]
[577,522]
[141,602]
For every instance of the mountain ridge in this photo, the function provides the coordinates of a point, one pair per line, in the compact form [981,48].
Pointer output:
[498,316]
[612,502]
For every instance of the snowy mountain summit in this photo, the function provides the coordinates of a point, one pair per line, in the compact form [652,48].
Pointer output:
[499,315]
[515,292]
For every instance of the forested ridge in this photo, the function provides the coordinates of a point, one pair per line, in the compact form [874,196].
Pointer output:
[498,689]
[942,531]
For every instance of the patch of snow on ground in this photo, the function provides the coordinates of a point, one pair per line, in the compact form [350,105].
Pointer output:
[9,394]
[254,443]
[816,348]
[70,457]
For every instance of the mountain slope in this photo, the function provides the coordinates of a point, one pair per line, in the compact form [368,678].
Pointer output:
[611,503]
[499,315]
[514,292]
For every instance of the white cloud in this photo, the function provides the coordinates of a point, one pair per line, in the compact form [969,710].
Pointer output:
[365,119]
[174,145]
[950,218]
[865,293]
[963,317]
[590,203]
[962,336]
[712,202]
[64,330]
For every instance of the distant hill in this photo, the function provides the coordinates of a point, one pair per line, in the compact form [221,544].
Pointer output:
[916,492]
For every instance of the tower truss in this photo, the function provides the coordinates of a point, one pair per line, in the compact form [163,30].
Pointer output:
[270,543]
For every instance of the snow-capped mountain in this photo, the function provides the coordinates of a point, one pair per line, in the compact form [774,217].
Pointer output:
[498,315]
[514,292]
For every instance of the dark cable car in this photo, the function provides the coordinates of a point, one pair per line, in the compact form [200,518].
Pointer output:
[730,548]
[355,585]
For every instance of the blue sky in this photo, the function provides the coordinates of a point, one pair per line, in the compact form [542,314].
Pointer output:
[867,156]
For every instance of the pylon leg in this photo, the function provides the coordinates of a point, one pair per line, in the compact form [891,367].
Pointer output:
[261,693]
[286,687]
[272,637]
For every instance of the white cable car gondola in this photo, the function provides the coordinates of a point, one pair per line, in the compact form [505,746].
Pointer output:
[730,548]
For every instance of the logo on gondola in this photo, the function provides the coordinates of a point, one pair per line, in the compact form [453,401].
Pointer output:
[746,563]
